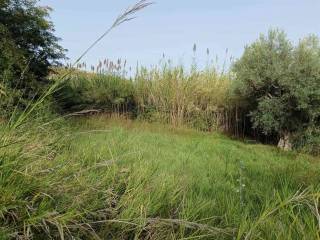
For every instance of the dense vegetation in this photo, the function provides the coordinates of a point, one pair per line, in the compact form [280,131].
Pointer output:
[168,95]
[280,84]
[28,48]
[271,93]
[141,170]
[120,179]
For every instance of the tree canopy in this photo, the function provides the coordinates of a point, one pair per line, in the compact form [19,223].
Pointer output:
[280,83]
[28,47]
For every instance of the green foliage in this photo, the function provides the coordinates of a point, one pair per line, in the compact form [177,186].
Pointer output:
[306,73]
[280,83]
[120,179]
[274,83]
[260,73]
[166,94]
[174,96]
[308,140]
[107,92]
[28,48]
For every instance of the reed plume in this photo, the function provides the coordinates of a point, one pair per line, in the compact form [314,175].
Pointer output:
[126,16]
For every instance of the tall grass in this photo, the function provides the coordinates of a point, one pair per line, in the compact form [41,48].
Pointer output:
[175,96]
[104,92]
[165,93]
[117,179]
[121,179]
[97,180]
[128,15]
[33,203]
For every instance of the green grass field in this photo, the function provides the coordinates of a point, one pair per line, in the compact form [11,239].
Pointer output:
[122,179]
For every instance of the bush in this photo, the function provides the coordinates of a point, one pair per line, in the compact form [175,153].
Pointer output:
[308,141]
[28,49]
[280,84]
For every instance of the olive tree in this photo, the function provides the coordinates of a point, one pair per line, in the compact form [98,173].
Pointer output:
[280,84]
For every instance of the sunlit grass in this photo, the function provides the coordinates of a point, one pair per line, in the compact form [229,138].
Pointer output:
[121,178]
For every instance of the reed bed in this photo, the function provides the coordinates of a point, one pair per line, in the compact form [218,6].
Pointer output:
[172,95]
[109,93]
[176,95]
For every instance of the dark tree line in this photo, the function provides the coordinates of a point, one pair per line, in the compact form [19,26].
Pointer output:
[28,48]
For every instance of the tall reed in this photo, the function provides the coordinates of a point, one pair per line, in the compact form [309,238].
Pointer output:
[179,97]
[34,184]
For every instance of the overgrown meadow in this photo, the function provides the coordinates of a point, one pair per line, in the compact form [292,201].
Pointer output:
[169,152]
[112,178]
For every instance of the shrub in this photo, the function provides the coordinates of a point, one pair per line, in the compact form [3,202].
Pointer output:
[28,47]
[308,141]
[280,84]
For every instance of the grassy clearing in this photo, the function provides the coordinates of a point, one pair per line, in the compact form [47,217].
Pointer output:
[102,178]
[194,176]
[132,180]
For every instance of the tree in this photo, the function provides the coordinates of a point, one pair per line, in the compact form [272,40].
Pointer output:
[28,46]
[280,84]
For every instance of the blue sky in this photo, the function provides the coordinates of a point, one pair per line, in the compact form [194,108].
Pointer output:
[173,26]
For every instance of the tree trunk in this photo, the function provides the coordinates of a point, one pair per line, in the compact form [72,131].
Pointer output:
[284,142]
